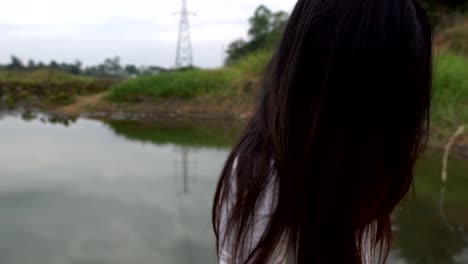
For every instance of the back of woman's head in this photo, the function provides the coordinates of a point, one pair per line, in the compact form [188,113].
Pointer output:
[341,118]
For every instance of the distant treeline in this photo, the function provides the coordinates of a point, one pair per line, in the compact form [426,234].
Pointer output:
[111,67]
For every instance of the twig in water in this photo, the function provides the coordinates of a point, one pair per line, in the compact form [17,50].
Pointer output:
[447,152]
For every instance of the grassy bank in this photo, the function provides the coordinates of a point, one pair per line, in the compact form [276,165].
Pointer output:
[227,92]
[45,87]
[190,84]
[183,84]
[41,76]
[239,81]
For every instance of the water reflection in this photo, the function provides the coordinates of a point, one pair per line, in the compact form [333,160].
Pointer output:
[82,194]
[53,119]
[184,152]
[431,224]
[84,191]
[424,237]
[182,133]
[443,215]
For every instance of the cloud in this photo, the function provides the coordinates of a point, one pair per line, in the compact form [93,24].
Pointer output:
[141,32]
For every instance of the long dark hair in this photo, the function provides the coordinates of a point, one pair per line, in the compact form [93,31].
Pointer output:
[341,118]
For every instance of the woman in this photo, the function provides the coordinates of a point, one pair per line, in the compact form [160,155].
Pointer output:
[341,118]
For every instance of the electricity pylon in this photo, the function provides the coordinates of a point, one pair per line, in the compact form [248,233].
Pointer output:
[184,56]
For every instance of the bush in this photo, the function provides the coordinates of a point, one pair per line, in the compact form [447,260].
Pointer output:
[450,94]
[181,84]
[254,64]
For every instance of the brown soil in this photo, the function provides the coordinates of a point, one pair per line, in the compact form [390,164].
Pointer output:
[82,104]
[444,38]
[96,105]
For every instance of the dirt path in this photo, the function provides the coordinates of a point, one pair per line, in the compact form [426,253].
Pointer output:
[82,104]
[95,105]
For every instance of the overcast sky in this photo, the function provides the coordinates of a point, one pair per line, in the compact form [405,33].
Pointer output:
[141,32]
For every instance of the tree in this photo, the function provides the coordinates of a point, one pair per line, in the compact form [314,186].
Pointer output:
[279,20]
[15,64]
[53,65]
[236,49]
[265,30]
[131,70]
[112,66]
[75,68]
[260,23]
[31,65]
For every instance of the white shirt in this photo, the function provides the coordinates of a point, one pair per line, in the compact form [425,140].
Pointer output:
[261,220]
[283,254]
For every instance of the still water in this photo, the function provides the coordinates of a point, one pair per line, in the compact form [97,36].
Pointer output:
[87,191]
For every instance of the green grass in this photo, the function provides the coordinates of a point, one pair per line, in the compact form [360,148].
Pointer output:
[253,65]
[41,76]
[183,84]
[450,91]
[193,83]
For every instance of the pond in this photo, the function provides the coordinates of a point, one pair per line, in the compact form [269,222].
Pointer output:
[89,191]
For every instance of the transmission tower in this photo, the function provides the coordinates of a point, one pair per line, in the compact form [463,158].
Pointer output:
[184,56]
